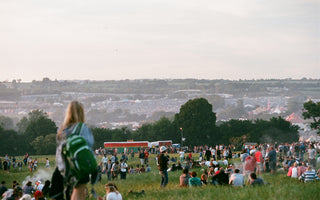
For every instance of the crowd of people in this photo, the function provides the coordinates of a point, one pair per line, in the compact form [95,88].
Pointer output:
[29,191]
[8,163]
[297,160]
[112,167]
[216,163]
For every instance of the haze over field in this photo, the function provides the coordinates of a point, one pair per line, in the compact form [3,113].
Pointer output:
[203,39]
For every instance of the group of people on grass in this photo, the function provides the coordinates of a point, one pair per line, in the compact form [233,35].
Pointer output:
[30,191]
[11,162]
[254,160]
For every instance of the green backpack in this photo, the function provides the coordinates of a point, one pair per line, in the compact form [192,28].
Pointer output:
[81,159]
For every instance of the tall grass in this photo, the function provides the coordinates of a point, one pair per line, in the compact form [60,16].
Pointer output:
[279,186]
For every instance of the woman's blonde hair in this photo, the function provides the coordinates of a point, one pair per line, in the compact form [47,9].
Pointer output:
[74,114]
[111,187]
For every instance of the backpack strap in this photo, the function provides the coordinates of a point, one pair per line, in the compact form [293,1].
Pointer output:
[77,129]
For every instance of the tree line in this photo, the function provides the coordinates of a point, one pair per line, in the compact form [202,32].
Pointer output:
[195,122]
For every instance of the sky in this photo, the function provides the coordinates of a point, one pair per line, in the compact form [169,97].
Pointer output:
[159,39]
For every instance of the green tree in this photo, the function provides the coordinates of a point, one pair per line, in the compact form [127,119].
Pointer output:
[145,132]
[12,143]
[22,125]
[36,124]
[233,129]
[45,145]
[163,129]
[274,130]
[39,125]
[312,111]
[101,135]
[197,122]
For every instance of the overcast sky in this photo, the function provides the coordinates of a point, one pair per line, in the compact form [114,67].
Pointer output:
[162,39]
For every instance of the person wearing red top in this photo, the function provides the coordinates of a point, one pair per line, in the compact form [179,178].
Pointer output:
[302,168]
[250,164]
[146,156]
[259,163]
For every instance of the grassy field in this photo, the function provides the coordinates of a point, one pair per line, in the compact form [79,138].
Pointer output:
[279,187]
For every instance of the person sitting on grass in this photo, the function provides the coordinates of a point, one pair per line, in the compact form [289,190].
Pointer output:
[28,189]
[302,168]
[16,194]
[194,180]
[173,168]
[38,194]
[309,175]
[148,169]
[254,180]
[112,193]
[179,167]
[204,179]
[184,178]
[293,171]
[137,169]
[142,169]
[131,170]
[236,178]
[221,178]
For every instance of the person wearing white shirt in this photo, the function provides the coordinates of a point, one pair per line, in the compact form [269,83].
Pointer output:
[214,162]
[213,152]
[47,163]
[294,171]
[225,161]
[181,153]
[112,193]
[123,169]
[104,160]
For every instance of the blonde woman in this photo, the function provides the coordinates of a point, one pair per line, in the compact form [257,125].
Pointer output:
[112,193]
[74,115]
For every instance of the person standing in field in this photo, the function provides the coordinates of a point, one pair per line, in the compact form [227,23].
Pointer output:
[163,165]
[74,115]
[259,164]
[312,156]
[250,164]
[104,160]
[47,163]
[141,157]
[132,154]
[123,169]
[272,155]
[146,156]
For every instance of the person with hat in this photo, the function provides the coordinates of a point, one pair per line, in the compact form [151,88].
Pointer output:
[38,185]
[163,165]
